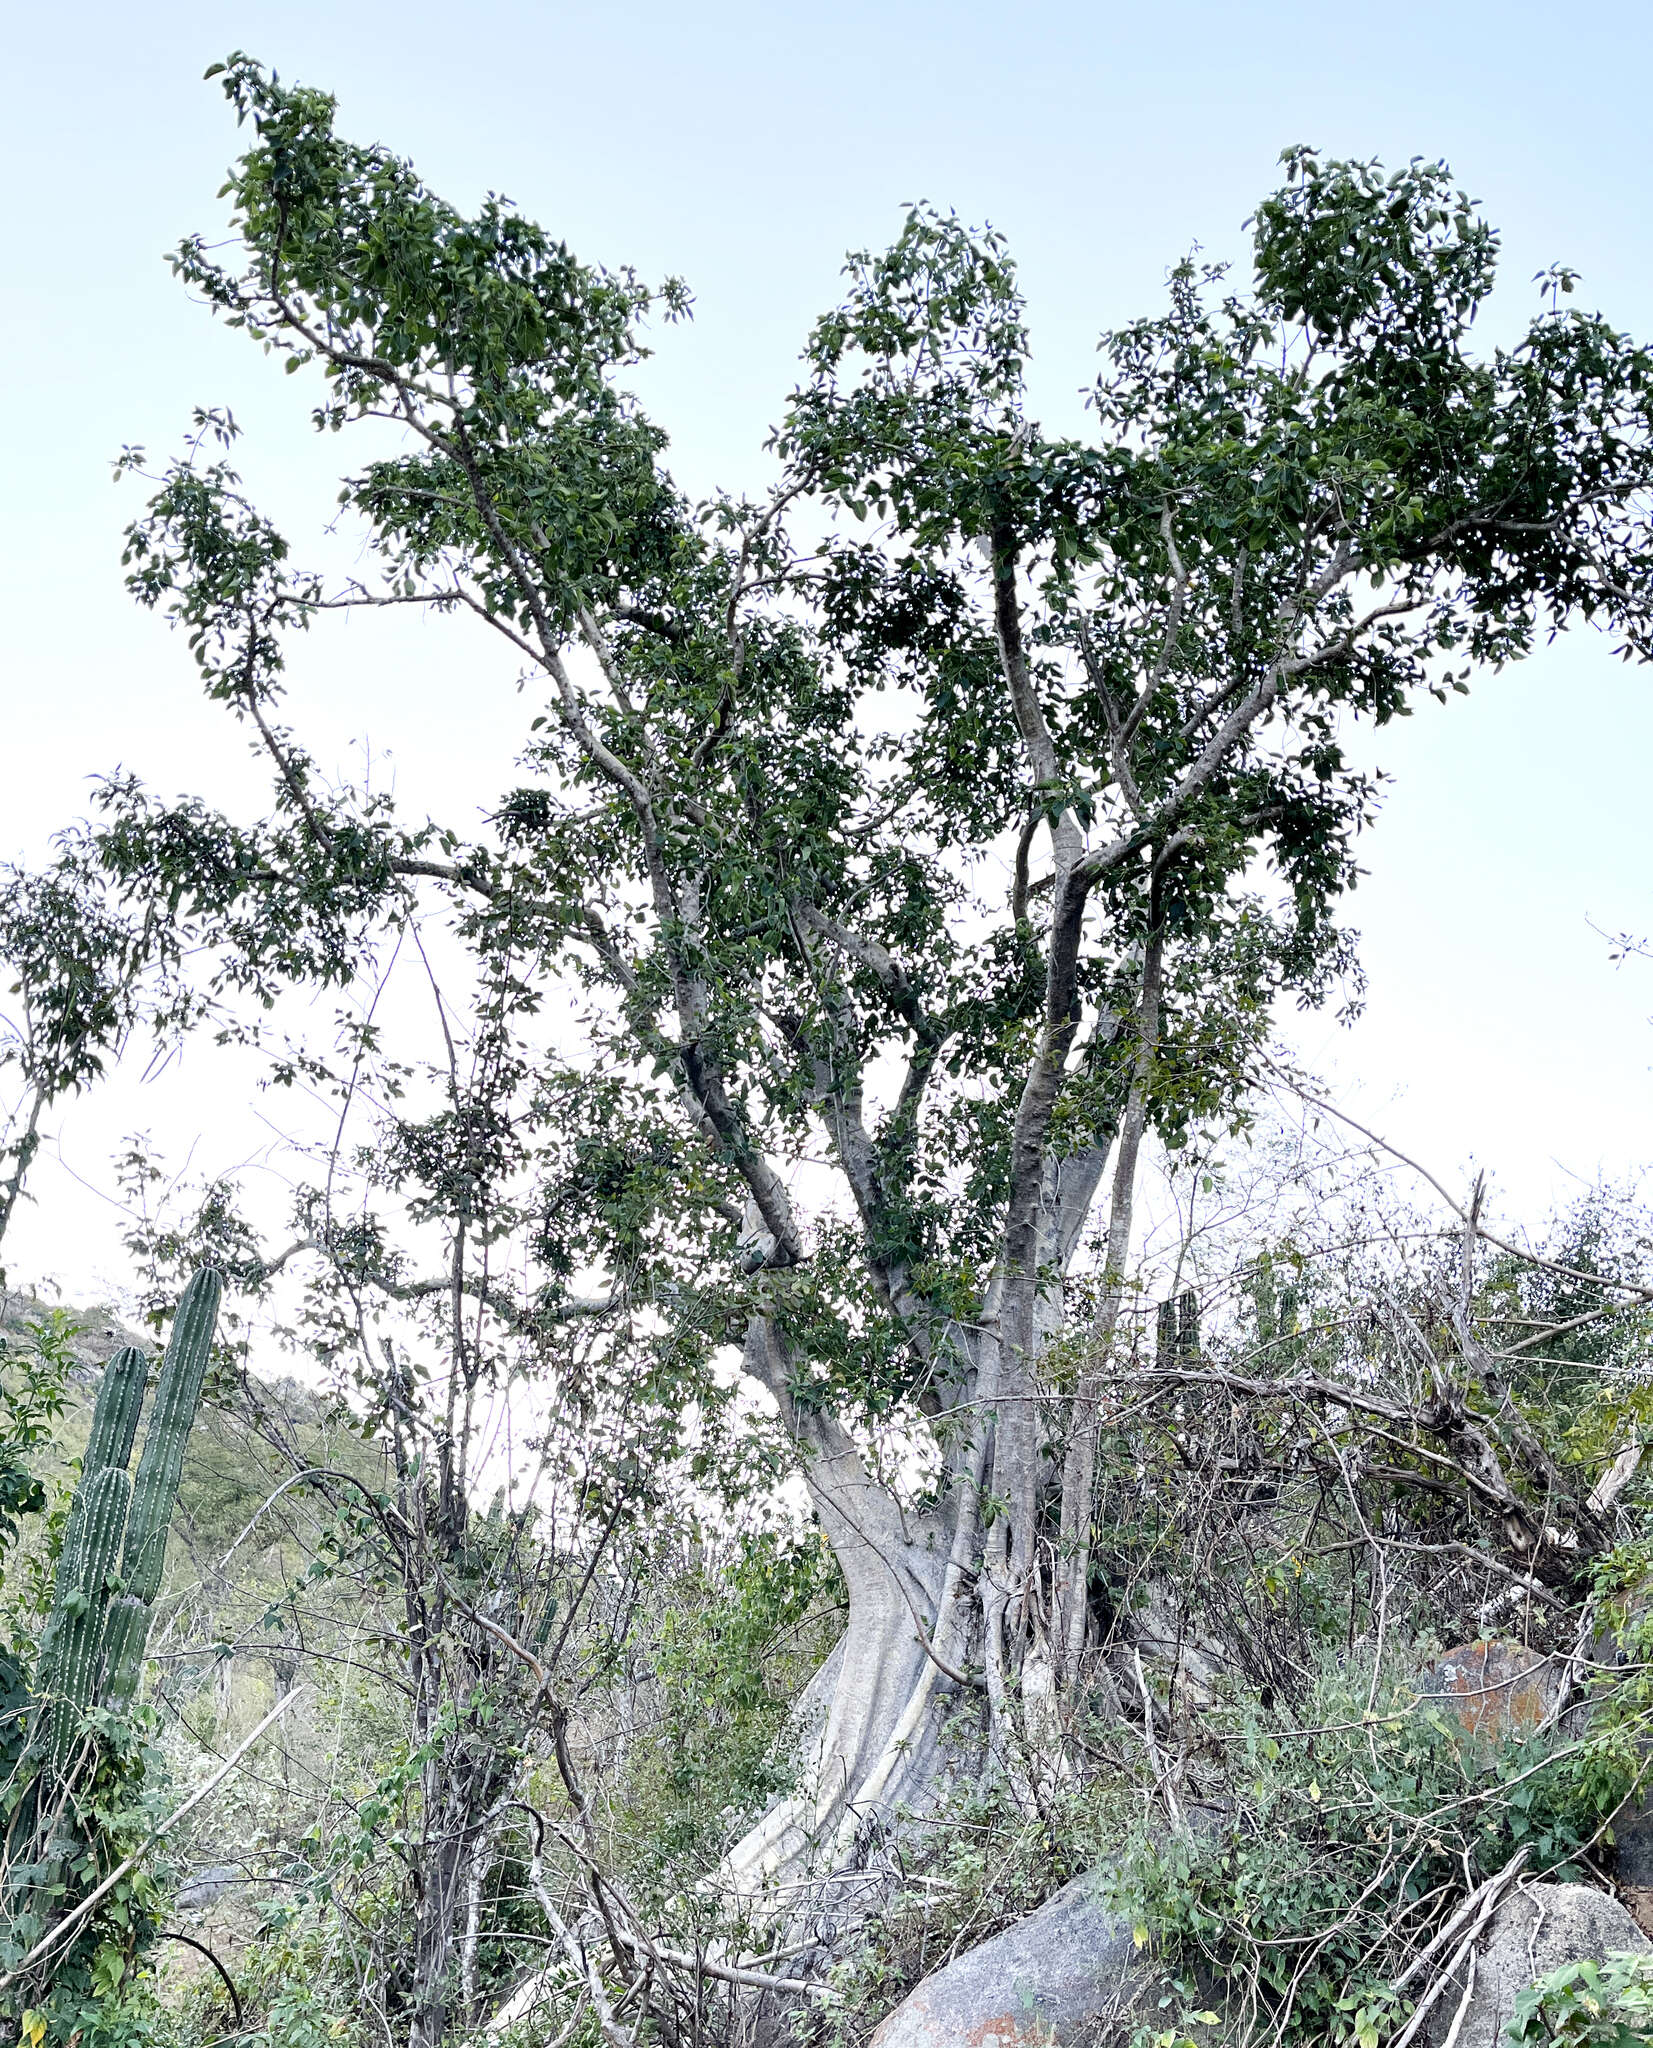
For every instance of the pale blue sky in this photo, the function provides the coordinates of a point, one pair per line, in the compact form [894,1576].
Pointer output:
[745,148]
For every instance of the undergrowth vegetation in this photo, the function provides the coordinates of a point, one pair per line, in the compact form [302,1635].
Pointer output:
[1261,1781]
[1323,1854]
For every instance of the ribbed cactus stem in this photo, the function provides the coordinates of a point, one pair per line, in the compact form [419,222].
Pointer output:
[155,1489]
[93,1642]
[115,1418]
[108,1447]
[78,1664]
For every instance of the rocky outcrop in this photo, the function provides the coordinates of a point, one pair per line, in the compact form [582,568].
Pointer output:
[1055,1978]
[1499,1690]
[206,1887]
[1495,1689]
[1633,1862]
[1536,1930]
[95,1334]
[1158,1625]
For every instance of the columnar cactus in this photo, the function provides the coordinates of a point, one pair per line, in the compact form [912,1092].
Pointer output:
[115,1545]
[84,1605]
[115,1418]
[108,1448]
[91,1649]
[155,1490]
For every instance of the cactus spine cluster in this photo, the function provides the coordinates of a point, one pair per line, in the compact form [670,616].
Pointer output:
[114,1547]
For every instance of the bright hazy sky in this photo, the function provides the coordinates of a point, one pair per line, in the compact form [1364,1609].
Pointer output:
[746,148]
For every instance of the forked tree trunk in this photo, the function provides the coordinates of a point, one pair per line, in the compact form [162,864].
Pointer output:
[944,1620]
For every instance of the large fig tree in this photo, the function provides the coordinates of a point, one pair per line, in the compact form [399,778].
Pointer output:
[897,850]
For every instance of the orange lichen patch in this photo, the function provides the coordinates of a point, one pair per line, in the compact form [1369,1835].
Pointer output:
[1495,1689]
[1001,2030]
[1008,2032]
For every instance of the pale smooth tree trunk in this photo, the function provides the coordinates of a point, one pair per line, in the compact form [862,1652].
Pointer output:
[938,1616]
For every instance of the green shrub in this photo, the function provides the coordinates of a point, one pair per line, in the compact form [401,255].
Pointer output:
[1587,2005]
[728,1653]
[1329,1853]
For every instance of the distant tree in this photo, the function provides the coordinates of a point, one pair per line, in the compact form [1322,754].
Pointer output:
[953,815]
